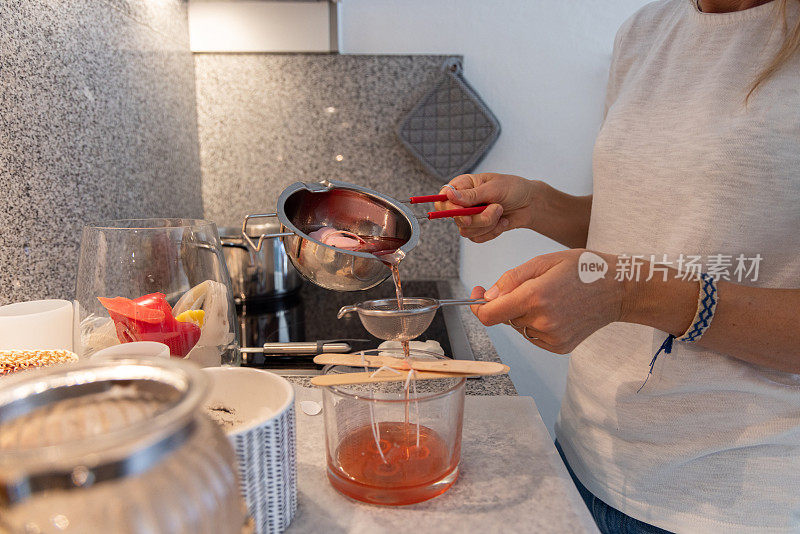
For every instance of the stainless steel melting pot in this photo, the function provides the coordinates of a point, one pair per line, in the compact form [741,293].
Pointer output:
[305,207]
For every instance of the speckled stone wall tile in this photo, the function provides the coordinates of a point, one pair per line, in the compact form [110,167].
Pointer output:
[97,121]
[267,120]
[167,17]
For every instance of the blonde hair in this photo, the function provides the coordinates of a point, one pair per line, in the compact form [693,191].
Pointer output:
[791,44]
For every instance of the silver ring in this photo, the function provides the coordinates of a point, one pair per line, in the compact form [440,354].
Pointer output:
[450,186]
[525,333]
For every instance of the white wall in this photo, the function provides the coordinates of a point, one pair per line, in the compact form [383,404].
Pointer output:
[541,66]
[257,26]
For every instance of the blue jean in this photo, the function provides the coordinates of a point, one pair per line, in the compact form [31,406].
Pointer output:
[609,520]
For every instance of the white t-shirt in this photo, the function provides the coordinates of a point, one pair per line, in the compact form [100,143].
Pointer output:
[681,166]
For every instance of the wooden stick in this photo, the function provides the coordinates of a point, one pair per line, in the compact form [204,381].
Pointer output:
[473,368]
[345,379]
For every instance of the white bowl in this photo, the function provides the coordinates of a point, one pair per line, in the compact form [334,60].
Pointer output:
[262,432]
[37,325]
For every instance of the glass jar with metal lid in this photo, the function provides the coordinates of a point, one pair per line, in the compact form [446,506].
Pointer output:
[119,445]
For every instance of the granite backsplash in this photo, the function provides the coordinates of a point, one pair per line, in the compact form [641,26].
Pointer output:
[97,121]
[267,120]
[105,113]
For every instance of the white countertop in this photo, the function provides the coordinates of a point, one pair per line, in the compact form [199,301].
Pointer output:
[511,480]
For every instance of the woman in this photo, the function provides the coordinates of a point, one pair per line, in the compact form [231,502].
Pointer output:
[698,156]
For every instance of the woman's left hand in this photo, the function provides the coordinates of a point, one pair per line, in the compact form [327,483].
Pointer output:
[546,300]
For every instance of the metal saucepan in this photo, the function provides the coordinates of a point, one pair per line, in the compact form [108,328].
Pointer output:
[258,274]
[305,207]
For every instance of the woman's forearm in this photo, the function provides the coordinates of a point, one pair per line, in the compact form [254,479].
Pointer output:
[561,217]
[756,325]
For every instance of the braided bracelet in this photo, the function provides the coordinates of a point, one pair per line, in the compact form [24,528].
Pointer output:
[706,306]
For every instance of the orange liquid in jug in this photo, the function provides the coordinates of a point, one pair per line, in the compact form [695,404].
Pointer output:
[410,473]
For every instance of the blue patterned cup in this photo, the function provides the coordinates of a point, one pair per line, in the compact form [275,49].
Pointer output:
[256,410]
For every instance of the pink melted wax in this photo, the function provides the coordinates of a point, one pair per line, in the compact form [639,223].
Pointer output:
[377,245]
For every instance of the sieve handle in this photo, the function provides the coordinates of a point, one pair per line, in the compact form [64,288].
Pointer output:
[459,302]
[344,310]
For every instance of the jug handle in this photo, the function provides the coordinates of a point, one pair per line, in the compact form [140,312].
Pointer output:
[257,246]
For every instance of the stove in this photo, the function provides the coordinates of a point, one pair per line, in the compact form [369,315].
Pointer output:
[305,321]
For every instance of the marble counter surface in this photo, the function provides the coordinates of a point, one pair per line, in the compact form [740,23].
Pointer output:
[482,347]
[479,341]
[511,480]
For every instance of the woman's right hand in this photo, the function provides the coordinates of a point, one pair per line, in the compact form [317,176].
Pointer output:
[509,198]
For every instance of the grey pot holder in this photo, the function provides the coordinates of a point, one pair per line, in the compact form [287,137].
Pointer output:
[450,129]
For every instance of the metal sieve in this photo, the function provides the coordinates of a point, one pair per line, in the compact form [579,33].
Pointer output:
[383,319]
